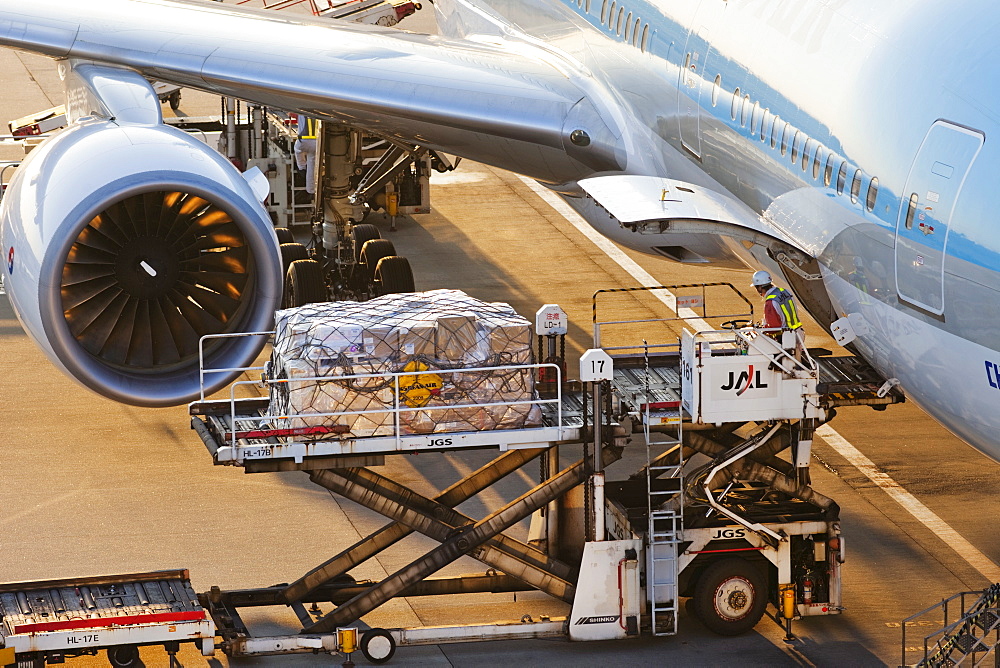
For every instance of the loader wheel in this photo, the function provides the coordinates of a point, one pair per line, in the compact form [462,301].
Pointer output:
[730,596]
[284,235]
[126,656]
[360,234]
[377,645]
[290,253]
[373,251]
[392,275]
[175,100]
[304,284]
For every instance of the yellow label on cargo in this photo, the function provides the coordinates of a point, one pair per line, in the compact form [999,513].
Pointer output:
[416,390]
[7,656]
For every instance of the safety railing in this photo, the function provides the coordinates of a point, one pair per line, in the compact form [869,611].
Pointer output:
[690,303]
[398,408]
[964,633]
[387,378]
[202,371]
[281,4]
[781,346]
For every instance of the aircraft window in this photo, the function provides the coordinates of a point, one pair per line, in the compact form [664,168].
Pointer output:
[828,172]
[611,14]
[765,125]
[604,12]
[746,110]
[635,33]
[621,15]
[856,186]
[818,162]
[579,3]
[785,132]
[735,111]
[645,37]
[755,119]
[911,210]
[717,90]
[628,27]
[588,6]
[796,146]
[805,154]
[774,131]
[841,178]
[872,193]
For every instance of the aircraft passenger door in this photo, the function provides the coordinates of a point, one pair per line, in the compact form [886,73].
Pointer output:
[692,84]
[928,200]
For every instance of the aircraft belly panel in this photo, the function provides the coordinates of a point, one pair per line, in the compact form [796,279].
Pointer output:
[945,374]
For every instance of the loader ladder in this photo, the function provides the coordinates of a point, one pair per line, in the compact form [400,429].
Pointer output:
[665,502]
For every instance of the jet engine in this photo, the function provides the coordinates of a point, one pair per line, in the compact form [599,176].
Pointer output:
[124,245]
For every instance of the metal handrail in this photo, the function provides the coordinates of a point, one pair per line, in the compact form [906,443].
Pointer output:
[201,357]
[598,324]
[396,409]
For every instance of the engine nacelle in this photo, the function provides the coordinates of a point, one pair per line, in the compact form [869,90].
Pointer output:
[124,245]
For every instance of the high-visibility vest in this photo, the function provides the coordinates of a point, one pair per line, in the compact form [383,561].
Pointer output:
[307,127]
[785,307]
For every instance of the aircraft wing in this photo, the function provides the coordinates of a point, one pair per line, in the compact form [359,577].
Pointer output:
[511,104]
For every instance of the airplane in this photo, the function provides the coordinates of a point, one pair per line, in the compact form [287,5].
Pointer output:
[839,144]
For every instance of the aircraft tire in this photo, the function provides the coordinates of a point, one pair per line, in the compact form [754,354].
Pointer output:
[284,235]
[290,252]
[360,234]
[304,284]
[393,275]
[373,251]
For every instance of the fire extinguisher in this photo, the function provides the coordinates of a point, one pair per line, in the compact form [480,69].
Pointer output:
[807,589]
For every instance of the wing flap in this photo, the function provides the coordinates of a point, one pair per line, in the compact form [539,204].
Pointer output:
[686,220]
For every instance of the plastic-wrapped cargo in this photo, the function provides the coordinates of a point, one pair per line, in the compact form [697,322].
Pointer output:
[423,335]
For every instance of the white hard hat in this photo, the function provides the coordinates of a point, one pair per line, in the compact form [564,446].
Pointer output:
[760,278]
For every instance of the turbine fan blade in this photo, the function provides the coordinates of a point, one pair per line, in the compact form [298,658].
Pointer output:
[150,275]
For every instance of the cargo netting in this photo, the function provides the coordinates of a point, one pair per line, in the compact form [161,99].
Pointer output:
[435,338]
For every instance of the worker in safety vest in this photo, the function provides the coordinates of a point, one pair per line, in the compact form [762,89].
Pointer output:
[779,309]
[305,150]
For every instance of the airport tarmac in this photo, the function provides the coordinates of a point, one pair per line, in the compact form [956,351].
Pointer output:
[94,487]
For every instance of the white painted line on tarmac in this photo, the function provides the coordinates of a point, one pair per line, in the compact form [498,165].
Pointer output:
[979,561]
[615,253]
[911,504]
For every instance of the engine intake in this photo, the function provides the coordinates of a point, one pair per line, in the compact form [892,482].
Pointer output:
[133,242]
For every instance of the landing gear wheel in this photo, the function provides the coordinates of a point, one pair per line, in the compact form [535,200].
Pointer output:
[360,234]
[730,596]
[373,251]
[377,645]
[304,284]
[126,656]
[290,253]
[284,235]
[392,275]
[175,100]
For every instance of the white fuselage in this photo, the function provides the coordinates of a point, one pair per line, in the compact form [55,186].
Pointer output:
[813,116]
